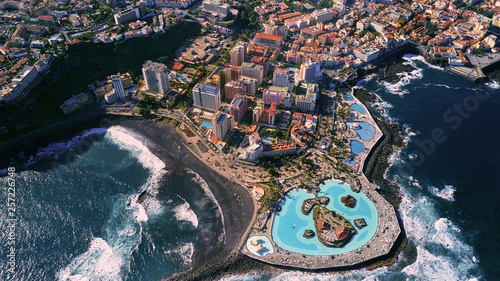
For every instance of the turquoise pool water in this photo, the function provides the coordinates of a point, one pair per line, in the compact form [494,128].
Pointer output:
[348,97]
[289,224]
[350,162]
[206,124]
[365,132]
[357,147]
[267,140]
[358,108]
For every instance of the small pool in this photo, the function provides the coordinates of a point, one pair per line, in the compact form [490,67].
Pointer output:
[357,147]
[293,69]
[290,223]
[267,140]
[206,124]
[170,75]
[350,162]
[365,131]
[358,108]
[259,245]
[348,97]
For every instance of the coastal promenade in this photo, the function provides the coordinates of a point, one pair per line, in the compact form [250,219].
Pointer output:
[387,232]
[470,73]
[479,64]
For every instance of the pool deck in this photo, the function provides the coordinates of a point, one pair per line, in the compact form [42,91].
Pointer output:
[388,229]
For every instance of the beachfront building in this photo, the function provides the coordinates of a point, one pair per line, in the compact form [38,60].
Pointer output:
[206,97]
[252,152]
[26,77]
[253,70]
[238,54]
[238,107]
[215,7]
[222,124]
[156,77]
[118,86]
[368,52]
[279,149]
[307,102]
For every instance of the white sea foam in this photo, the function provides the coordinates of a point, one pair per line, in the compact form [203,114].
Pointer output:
[410,57]
[201,182]
[426,229]
[184,212]
[446,193]
[431,267]
[184,252]
[405,78]
[128,140]
[109,257]
[133,142]
[382,106]
[493,85]
[99,262]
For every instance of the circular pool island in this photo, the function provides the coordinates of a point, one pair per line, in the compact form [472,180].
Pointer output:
[290,223]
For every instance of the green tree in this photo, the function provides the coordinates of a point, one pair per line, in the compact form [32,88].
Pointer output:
[144,111]
[163,59]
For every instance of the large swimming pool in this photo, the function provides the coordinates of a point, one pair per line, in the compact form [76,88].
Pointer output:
[365,131]
[358,108]
[357,147]
[290,223]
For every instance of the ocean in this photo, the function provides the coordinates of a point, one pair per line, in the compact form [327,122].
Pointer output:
[79,217]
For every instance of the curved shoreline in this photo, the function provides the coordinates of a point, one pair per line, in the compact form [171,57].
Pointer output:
[166,143]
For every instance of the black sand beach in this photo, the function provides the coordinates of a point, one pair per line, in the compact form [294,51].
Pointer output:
[170,147]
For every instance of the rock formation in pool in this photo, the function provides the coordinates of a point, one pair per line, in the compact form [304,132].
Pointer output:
[309,204]
[309,233]
[348,201]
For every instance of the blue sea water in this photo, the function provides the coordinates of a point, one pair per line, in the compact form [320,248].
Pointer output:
[81,220]
[449,189]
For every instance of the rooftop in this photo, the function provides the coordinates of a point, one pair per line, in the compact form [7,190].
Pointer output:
[269,36]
